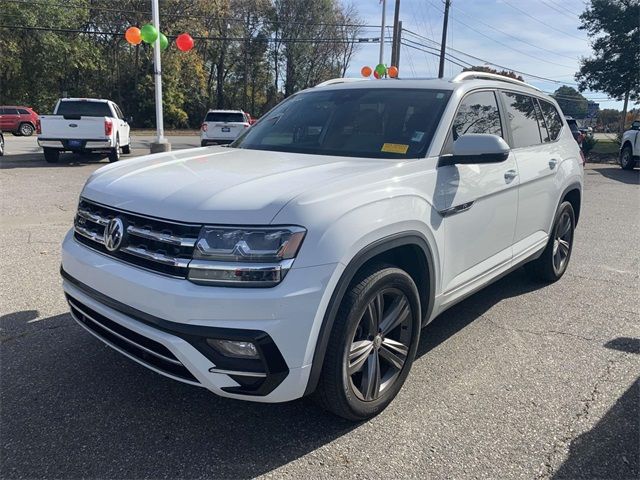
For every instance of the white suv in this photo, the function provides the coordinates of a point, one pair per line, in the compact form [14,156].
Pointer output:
[223,126]
[306,258]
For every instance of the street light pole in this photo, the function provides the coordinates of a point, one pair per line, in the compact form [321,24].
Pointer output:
[384,10]
[161,144]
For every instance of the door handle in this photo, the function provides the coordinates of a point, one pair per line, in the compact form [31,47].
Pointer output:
[552,163]
[509,175]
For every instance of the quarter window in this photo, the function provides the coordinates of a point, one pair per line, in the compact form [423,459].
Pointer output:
[522,116]
[553,120]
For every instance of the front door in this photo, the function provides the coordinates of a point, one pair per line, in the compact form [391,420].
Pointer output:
[482,201]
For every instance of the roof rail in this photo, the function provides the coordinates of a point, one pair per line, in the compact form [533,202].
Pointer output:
[471,75]
[335,81]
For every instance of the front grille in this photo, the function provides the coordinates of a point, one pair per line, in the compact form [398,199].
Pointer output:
[144,349]
[159,245]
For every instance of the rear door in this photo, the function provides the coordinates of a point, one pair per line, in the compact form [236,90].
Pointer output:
[225,125]
[9,119]
[123,126]
[481,206]
[535,130]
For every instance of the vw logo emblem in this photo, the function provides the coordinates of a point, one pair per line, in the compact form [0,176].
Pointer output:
[114,234]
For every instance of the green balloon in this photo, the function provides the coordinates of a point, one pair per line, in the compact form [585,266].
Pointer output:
[381,69]
[164,42]
[149,33]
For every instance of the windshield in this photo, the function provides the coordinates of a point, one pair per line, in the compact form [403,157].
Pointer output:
[372,122]
[224,117]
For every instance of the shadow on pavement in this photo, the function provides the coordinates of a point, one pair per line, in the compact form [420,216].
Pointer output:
[72,407]
[610,449]
[36,160]
[631,177]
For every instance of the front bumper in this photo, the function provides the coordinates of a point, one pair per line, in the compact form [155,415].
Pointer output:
[178,316]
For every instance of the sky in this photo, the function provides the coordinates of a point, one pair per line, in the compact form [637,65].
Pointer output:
[538,37]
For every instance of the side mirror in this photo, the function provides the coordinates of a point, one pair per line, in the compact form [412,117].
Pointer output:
[475,148]
[635,125]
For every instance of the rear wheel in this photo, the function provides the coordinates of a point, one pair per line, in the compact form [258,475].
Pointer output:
[51,155]
[372,344]
[553,262]
[1,145]
[26,129]
[114,154]
[627,161]
[203,143]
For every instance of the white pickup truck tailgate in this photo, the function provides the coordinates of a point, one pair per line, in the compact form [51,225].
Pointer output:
[84,128]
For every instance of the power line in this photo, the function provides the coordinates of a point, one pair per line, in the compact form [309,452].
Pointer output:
[504,44]
[542,22]
[447,57]
[561,10]
[512,36]
[432,53]
[180,15]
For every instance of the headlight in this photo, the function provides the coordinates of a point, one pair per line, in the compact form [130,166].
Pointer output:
[249,257]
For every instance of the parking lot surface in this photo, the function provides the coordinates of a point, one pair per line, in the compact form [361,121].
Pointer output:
[518,381]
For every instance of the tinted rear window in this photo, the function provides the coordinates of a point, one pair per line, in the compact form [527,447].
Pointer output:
[552,119]
[84,109]
[224,117]
[354,122]
[522,115]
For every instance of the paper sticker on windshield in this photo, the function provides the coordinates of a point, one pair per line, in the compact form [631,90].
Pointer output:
[394,148]
[417,136]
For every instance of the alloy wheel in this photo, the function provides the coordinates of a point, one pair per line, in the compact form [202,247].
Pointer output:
[562,242]
[380,344]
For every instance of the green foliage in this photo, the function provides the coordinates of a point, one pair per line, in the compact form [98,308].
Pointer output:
[588,143]
[279,52]
[613,68]
[571,101]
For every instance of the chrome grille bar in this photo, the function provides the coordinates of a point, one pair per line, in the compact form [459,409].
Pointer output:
[92,217]
[161,237]
[156,257]
[85,232]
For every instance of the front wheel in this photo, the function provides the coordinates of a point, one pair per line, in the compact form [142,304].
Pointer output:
[553,262]
[1,145]
[26,129]
[627,161]
[127,148]
[372,344]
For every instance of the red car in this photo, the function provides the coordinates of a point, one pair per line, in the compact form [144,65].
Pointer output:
[18,120]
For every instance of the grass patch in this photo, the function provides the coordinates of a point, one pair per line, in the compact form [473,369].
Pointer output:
[606,147]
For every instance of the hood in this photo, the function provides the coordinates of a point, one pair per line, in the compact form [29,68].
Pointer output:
[218,185]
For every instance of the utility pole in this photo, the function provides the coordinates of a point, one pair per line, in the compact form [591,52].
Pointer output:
[384,10]
[394,44]
[443,44]
[161,144]
[397,64]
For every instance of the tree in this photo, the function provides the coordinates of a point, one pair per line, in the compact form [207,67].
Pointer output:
[571,101]
[485,69]
[608,119]
[613,68]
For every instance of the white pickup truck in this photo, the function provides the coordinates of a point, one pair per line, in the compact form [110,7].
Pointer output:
[84,125]
[630,147]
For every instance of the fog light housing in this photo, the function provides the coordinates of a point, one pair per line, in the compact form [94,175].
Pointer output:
[234,348]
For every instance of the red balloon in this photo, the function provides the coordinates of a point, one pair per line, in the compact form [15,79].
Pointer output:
[376,74]
[184,42]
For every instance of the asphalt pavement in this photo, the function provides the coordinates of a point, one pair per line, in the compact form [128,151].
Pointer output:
[520,380]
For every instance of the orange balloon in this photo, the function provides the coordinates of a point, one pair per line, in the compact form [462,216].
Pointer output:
[366,71]
[132,35]
[392,71]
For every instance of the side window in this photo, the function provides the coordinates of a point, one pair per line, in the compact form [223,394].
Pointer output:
[22,111]
[522,115]
[553,120]
[478,113]
[118,112]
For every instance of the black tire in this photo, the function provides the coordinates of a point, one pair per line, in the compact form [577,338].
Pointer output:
[127,148]
[51,155]
[114,153]
[1,145]
[627,162]
[553,262]
[26,129]
[203,144]
[358,396]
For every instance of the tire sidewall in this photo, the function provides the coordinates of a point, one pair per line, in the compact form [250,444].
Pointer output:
[383,279]
[626,154]
[29,127]
[564,207]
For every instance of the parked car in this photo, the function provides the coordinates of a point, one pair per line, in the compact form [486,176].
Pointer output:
[575,130]
[84,125]
[306,258]
[20,121]
[223,126]
[1,144]
[630,147]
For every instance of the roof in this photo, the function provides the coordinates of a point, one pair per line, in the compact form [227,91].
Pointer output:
[85,100]
[224,111]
